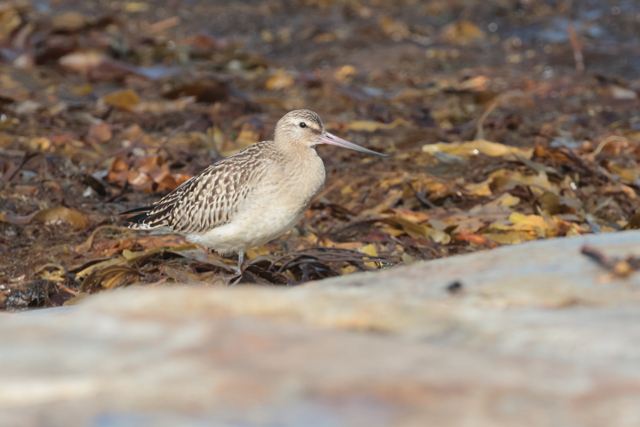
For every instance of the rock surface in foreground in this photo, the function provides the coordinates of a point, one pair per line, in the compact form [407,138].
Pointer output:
[532,338]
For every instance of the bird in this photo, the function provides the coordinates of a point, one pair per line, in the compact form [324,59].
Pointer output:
[251,197]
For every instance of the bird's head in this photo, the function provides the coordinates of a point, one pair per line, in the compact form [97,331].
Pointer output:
[304,128]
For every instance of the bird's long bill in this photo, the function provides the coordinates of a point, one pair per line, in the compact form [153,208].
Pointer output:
[328,138]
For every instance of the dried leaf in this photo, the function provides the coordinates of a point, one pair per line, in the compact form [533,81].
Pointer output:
[69,21]
[504,179]
[477,239]
[528,220]
[9,21]
[344,72]
[407,259]
[473,148]
[82,62]
[55,215]
[280,80]
[118,260]
[474,84]
[165,106]
[409,215]
[254,253]
[388,229]
[419,231]
[346,190]
[524,228]
[370,250]
[510,237]
[629,176]
[397,30]
[125,99]
[202,42]
[12,89]
[462,32]
[86,246]
[550,202]
[136,6]
[481,189]
[368,126]
[350,268]
[209,91]
[107,278]
[135,134]
[99,133]
[149,173]
[249,134]
[508,200]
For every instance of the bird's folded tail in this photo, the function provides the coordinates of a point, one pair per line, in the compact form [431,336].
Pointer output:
[148,217]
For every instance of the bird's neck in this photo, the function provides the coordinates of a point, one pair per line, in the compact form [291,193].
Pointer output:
[301,160]
[296,151]
[305,171]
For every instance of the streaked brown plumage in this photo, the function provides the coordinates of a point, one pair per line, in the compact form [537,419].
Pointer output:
[251,197]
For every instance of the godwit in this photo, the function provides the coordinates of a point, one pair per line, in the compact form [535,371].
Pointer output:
[251,197]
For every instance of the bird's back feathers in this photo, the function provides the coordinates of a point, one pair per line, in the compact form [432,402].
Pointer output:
[210,199]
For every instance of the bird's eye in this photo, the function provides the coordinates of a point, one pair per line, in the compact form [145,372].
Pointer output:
[303,125]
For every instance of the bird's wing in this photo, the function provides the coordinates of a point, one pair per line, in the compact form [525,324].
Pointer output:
[208,200]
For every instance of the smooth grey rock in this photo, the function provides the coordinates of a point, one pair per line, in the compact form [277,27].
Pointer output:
[538,335]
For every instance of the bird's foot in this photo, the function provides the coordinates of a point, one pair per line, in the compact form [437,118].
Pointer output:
[235,280]
[238,277]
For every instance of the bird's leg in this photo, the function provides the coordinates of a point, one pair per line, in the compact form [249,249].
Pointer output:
[236,279]
[240,262]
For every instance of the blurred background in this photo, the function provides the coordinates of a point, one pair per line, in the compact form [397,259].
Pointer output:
[507,121]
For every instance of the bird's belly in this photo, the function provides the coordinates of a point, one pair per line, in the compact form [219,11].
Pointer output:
[272,210]
[256,226]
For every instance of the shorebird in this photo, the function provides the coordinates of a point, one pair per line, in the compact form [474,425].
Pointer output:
[251,197]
